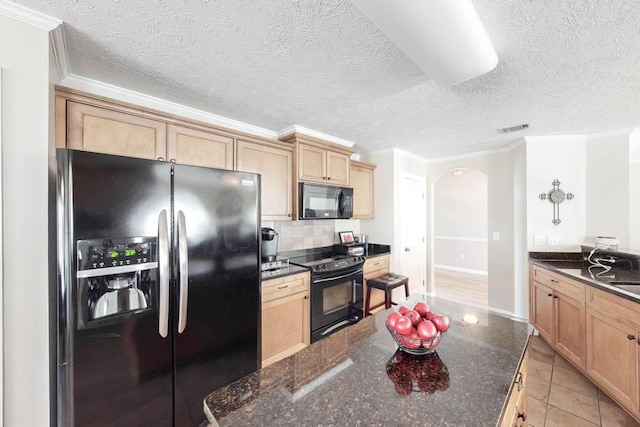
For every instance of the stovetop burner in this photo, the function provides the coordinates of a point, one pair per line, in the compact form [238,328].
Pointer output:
[326,262]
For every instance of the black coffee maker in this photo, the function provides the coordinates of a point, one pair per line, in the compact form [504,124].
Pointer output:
[269,244]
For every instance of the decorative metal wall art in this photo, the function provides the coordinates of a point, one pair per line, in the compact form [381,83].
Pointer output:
[556,196]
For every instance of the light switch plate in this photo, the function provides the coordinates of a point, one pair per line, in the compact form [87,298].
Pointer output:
[496,236]
[553,240]
[538,240]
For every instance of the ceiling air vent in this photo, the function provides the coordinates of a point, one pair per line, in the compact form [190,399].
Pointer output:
[514,128]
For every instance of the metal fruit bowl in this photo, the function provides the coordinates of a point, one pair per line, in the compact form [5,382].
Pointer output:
[415,346]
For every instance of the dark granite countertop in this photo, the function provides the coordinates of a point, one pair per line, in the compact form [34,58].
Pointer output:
[593,275]
[343,379]
[285,271]
[374,250]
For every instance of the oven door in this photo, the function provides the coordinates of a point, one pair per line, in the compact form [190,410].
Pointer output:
[336,301]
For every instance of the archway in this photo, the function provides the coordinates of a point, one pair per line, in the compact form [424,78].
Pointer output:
[460,260]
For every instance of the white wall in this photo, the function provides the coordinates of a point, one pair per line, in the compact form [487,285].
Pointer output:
[562,158]
[497,166]
[26,120]
[380,229]
[634,190]
[520,253]
[608,187]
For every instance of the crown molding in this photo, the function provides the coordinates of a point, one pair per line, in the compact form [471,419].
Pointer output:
[59,46]
[506,149]
[29,16]
[309,132]
[106,90]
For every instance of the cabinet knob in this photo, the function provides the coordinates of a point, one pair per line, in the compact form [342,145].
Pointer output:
[324,177]
[554,281]
[161,159]
[631,337]
[328,178]
[549,295]
[555,296]
[289,215]
[522,415]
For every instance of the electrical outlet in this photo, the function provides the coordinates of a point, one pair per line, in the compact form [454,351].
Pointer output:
[461,256]
[553,240]
[538,240]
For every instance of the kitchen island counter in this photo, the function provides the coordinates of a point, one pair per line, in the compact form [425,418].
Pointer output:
[345,379]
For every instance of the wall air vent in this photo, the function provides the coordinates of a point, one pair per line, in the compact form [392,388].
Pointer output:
[514,128]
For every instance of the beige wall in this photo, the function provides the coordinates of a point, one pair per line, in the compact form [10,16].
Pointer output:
[26,116]
[498,166]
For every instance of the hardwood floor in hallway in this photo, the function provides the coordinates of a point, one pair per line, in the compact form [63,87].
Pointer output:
[465,288]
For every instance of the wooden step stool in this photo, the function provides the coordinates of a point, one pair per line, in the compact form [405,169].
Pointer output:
[387,283]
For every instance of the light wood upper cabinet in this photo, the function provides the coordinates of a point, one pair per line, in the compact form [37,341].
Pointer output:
[286,326]
[320,161]
[275,165]
[322,166]
[195,147]
[106,131]
[362,183]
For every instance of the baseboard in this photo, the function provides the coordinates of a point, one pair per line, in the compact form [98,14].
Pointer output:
[459,269]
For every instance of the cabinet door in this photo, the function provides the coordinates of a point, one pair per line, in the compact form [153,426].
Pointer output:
[569,334]
[338,167]
[275,165]
[101,130]
[612,357]
[362,183]
[285,327]
[375,267]
[312,164]
[198,148]
[543,310]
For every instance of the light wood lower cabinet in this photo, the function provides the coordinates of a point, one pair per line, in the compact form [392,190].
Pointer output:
[515,408]
[189,146]
[558,312]
[286,326]
[613,347]
[101,130]
[362,184]
[599,332]
[275,165]
[375,267]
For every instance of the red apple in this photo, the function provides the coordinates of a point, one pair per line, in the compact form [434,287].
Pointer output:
[422,308]
[403,325]
[392,318]
[413,340]
[429,315]
[414,316]
[403,309]
[442,322]
[427,330]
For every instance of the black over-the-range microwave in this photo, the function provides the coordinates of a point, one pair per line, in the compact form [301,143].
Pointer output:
[317,201]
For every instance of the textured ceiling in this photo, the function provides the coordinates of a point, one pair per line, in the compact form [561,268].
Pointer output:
[565,67]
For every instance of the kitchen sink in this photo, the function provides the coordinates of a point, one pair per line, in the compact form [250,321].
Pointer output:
[624,282]
[631,286]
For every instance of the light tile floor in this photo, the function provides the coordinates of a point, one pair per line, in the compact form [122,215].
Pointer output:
[560,396]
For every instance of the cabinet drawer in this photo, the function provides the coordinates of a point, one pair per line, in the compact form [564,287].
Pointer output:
[283,286]
[615,307]
[374,264]
[559,283]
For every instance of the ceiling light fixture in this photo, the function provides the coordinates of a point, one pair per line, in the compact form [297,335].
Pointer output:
[445,38]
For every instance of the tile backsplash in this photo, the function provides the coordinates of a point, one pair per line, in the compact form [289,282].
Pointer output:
[309,234]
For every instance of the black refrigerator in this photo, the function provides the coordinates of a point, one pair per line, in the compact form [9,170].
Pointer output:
[158,291]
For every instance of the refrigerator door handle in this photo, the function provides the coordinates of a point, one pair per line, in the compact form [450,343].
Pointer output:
[183,258]
[163,273]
